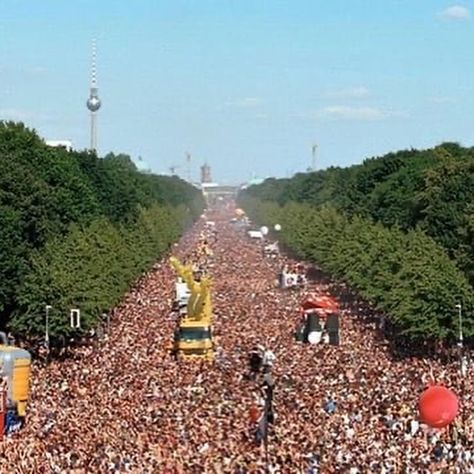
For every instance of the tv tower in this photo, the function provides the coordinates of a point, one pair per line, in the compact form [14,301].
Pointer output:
[93,102]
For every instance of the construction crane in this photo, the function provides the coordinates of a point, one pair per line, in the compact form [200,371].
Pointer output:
[188,166]
[314,149]
[312,168]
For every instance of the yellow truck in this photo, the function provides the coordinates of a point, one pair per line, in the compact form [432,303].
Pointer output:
[15,366]
[193,335]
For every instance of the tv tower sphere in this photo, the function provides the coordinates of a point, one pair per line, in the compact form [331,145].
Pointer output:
[93,103]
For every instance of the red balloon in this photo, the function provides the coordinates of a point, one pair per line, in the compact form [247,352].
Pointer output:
[438,406]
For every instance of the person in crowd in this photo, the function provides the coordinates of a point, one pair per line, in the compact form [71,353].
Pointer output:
[255,362]
[268,359]
[330,406]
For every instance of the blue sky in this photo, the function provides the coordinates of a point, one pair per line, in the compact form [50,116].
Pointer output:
[248,85]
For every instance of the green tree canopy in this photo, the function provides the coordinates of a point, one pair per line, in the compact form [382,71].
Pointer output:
[67,216]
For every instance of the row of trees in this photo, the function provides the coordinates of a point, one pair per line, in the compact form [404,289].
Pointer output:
[76,230]
[429,190]
[407,275]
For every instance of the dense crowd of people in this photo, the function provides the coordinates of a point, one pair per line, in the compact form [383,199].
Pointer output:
[125,404]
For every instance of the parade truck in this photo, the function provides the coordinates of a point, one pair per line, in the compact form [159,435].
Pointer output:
[320,320]
[193,334]
[15,367]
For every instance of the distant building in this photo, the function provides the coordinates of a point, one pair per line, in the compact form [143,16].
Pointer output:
[206,173]
[67,144]
[255,181]
[252,182]
[142,165]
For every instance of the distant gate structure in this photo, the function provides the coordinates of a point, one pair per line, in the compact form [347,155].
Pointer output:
[214,192]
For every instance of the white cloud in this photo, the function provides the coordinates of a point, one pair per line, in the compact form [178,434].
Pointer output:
[442,100]
[22,70]
[362,114]
[245,103]
[359,92]
[357,114]
[36,70]
[456,12]
[17,115]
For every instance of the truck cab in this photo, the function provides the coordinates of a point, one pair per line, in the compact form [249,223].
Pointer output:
[193,339]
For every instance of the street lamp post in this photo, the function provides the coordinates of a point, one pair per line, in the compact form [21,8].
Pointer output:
[459,308]
[461,362]
[106,318]
[268,385]
[460,338]
[46,333]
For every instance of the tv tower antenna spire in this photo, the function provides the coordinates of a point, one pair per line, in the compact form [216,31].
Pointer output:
[93,102]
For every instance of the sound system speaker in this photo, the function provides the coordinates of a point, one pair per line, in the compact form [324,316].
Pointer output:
[332,327]
[332,324]
[313,323]
[334,338]
[300,333]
